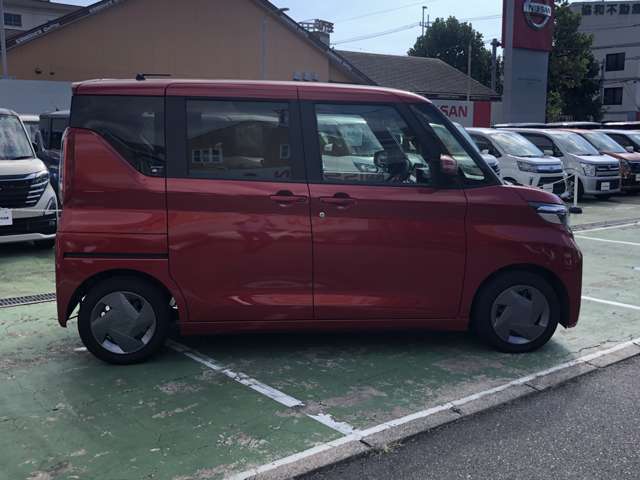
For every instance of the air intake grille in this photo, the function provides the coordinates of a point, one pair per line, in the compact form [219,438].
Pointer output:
[27,300]
[22,191]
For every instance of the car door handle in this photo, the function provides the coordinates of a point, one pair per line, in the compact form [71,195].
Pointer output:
[338,201]
[285,197]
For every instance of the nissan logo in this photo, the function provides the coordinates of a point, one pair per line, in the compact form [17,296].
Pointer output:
[538,13]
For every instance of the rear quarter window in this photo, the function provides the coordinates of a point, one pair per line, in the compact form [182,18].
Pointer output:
[132,125]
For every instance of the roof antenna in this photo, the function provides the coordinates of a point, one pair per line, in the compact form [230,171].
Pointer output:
[141,77]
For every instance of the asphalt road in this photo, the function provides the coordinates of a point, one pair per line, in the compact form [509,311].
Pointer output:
[588,428]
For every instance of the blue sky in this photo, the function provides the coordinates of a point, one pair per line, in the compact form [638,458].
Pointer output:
[484,15]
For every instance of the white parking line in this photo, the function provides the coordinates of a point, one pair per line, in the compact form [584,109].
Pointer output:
[358,435]
[273,393]
[613,227]
[608,302]
[608,241]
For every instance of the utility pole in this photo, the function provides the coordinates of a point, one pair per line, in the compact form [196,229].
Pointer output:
[3,42]
[423,10]
[469,72]
[494,63]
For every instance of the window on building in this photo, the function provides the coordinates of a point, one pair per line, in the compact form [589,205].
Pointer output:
[12,20]
[615,62]
[613,96]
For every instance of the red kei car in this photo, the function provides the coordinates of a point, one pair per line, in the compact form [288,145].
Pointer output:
[229,206]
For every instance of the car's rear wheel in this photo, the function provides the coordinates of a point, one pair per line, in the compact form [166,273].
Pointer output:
[124,320]
[516,312]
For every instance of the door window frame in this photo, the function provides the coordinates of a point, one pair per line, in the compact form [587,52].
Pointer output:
[177,143]
[428,139]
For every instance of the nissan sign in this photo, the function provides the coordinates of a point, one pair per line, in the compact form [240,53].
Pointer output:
[537,14]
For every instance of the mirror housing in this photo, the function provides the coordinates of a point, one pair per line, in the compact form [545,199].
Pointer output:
[448,166]
[549,153]
[630,149]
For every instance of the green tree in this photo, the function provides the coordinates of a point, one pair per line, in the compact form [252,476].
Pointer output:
[574,73]
[449,41]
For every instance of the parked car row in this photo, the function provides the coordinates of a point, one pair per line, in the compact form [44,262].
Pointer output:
[605,162]
[28,202]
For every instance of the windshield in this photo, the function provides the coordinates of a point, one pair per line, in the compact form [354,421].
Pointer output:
[574,144]
[603,142]
[466,135]
[14,142]
[635,137]
[515,144]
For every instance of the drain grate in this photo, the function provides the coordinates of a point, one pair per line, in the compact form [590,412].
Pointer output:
[27,300]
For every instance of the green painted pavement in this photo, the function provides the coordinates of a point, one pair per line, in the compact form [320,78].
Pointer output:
[26,270]
[64,414]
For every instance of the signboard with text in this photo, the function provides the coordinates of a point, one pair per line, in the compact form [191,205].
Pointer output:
[528,24]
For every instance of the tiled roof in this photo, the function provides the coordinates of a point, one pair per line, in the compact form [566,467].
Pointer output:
[427,76]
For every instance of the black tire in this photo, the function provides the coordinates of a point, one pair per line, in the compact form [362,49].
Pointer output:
[154,296]
[481,315]
[45,244]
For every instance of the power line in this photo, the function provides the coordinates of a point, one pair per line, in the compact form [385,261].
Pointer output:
[378,34]
[379,12]
[403,28]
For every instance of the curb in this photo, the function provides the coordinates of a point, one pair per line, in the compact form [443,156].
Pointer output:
[357,445]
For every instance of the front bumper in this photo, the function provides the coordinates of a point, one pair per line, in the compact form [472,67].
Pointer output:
[30,229]
[596,185]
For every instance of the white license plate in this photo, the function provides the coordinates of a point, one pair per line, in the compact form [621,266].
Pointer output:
[548,187]
[637,177]
[605,186]
[6,217]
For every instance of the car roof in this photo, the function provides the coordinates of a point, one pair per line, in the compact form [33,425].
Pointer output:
[29,117]
[541,131]
[5,111]
[253,88]
[56,114]
[619,132]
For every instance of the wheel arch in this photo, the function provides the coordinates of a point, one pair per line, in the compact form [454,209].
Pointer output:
[86,285]
[552,278]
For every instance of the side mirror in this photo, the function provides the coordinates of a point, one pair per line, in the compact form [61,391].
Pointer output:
[549,153]
[630,149]
[485,151]
[448,166]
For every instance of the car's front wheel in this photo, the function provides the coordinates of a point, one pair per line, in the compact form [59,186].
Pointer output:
[516,312]
[124,320]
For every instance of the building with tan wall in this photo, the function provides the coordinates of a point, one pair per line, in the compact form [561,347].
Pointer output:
[23,15]
[245,39]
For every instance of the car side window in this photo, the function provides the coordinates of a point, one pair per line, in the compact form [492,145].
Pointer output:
[543,143]
[239,140]
[369,144]
[484,145]
[621,139]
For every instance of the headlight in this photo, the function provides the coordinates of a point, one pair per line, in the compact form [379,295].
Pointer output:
[553,213]
[42,176]
[589,169]
[366,167]
[527,167]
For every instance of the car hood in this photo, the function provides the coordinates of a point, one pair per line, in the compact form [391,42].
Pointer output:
[630,157]
[20,167]
[539,160]
[536,195]
[596,159]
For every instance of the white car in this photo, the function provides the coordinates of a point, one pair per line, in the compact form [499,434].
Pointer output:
[521,162]
[598,174]
[28,204]
[489,159]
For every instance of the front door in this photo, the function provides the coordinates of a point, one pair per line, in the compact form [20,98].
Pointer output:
[239,227]
[387,242]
